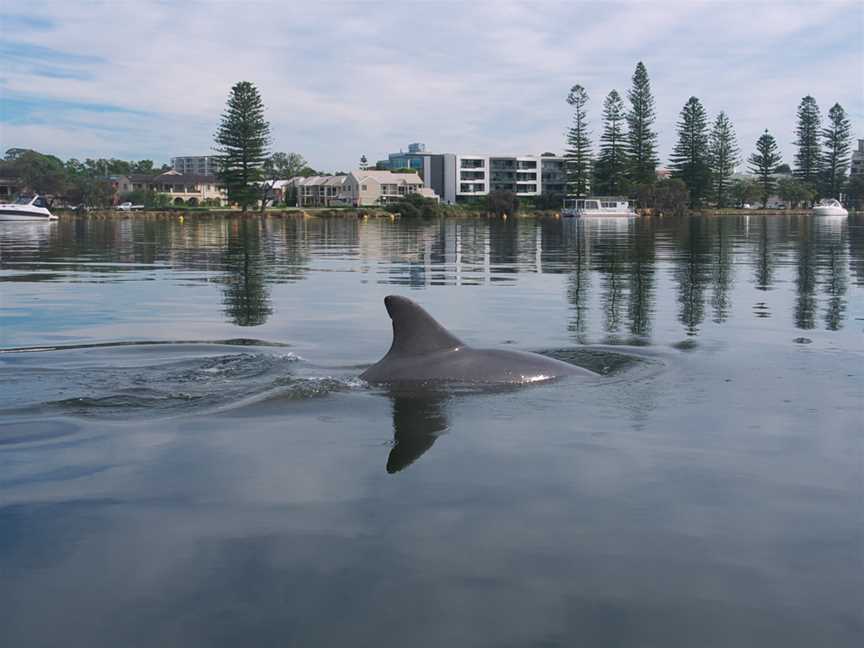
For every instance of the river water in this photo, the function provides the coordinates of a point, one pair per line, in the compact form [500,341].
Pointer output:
[188,457]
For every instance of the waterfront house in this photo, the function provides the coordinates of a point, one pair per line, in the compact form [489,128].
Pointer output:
[365,188]
[319,191]
[181,189]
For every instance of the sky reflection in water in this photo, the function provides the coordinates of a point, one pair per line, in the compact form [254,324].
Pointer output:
[706,489]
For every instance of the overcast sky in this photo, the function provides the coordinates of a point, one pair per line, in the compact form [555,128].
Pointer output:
[139,79]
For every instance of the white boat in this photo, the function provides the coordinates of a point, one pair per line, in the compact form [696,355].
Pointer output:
[603,206]
[830,207]
[26,208]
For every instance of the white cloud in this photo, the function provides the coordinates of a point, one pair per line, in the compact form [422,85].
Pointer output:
[343,79]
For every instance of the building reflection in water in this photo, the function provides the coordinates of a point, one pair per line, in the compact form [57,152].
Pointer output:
[612,271]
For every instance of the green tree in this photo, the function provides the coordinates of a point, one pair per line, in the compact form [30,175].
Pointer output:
[671,196]
[855,192]
[794,192]
[837,139]
[89,191]
[502,203]
[764,162]
[39,173]
[286,165]
[689,160]
[610,172]
[744,192]
[578,150]
[641,139]
[141,166]
[723,156]
[808,157]
[242,141]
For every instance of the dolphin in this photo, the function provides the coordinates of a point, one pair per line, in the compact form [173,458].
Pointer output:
[424,351]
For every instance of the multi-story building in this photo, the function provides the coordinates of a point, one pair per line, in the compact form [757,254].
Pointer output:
[196,164]
[525,175]
[438,170]
[858,159]
[181,188]
[454,176]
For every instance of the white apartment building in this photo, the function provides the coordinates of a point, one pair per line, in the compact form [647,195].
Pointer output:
[196,164]
[524,175]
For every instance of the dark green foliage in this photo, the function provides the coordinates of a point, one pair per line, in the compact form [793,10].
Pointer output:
[807,158]
[764,162]
[89,191]
[783,168]
[723,156]
[794,192]
[246,297]
[500,203]
[855,192]
[744,192]
[578,149]
[689,160]
[610,171]
[404,170]
[242,141]
[669,196]
[44,174]
[416,206]
[837,140]
[641,139]
[546,201]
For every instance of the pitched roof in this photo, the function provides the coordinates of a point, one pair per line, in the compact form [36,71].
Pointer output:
[387,177]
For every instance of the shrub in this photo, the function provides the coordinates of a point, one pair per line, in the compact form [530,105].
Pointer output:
[502,202]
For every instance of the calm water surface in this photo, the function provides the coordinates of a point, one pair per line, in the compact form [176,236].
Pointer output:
[187,455]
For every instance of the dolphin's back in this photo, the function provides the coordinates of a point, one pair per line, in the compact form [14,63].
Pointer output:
[424,351]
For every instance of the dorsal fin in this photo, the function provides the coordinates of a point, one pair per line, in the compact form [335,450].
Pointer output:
[415,331]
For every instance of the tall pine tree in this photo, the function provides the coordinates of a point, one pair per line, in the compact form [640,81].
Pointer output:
[764,162]
[610,171]
[723,155]
[808,157]
[837,140]
[242,141]
[641,139]
[578,151]
[689,160]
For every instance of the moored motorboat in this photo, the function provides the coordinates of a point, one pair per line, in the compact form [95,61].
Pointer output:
[26,208]
[829,207]
[603,206]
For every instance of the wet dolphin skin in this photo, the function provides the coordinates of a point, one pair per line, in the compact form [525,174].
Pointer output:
[424,351]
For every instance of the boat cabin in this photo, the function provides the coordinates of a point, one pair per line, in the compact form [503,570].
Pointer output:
[597,206]
[597,203]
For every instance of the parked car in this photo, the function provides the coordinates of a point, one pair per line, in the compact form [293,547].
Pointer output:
[128,206]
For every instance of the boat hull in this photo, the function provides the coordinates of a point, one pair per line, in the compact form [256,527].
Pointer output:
[10,217]
[609,214]
[829,211]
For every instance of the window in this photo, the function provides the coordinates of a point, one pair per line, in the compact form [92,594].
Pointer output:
[362,187]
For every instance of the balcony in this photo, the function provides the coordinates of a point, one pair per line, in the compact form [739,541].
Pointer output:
[472,164]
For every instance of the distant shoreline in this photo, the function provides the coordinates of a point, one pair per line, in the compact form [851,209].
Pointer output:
[378,213]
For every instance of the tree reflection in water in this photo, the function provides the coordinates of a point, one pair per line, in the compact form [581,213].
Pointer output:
[245,295]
